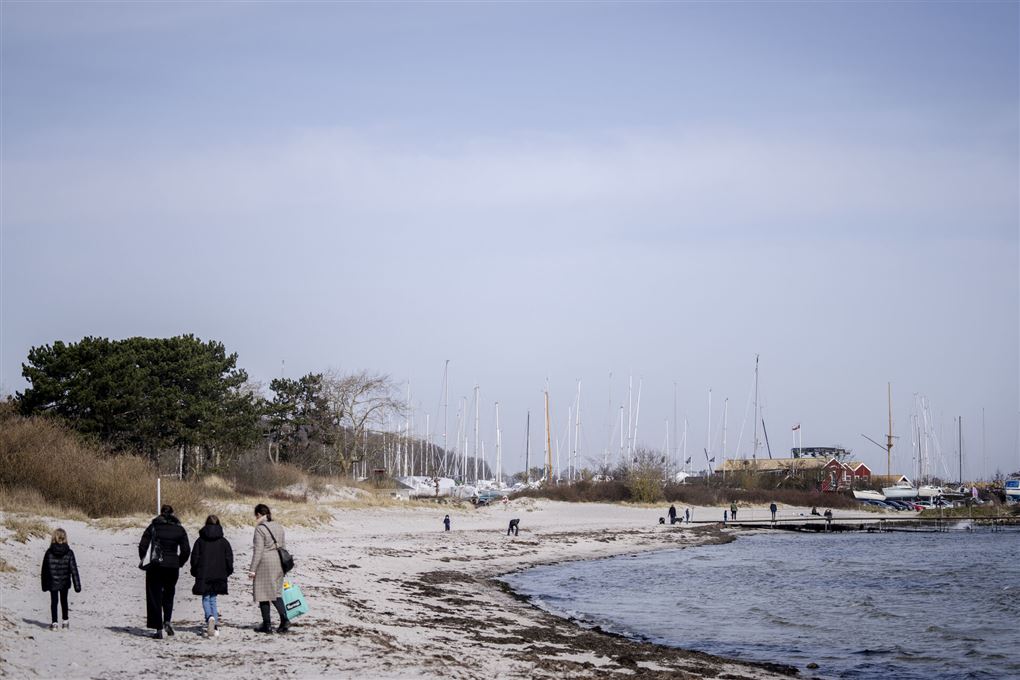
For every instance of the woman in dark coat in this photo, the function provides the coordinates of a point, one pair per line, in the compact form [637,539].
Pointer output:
[167,544]
[59,572]
[212,561]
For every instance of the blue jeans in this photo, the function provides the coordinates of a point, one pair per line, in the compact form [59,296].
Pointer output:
[209,607]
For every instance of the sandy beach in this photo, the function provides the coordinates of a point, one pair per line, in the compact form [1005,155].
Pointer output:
[391,596]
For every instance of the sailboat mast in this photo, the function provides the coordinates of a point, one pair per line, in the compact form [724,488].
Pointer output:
[959,435]
[477,395]
[754,446]
[577,433]
[889,438]
[527,450]
[548,441]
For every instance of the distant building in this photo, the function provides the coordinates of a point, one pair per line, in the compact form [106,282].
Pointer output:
[838,475]
[772,466]
[825,452]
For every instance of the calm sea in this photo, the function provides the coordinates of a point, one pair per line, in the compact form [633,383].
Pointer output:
[893,605]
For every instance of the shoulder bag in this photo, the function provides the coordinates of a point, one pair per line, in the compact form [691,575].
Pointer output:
[286,559]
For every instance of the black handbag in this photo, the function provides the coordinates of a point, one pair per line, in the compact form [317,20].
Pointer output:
[286,559]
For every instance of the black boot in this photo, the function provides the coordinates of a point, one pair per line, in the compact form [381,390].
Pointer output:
[282,611]
[267,626]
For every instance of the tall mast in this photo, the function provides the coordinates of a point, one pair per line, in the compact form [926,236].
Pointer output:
[637,415]
[499,450]
[621,432]
[685,443]
[527,451]
[630,414]
[675,442]
[577,431]
[446,404]
[959,434]
[725,409]
[889,439]
[708,436]
[548,440]
[476,431]
[754,447]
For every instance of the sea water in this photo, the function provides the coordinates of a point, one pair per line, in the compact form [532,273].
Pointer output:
[860,605]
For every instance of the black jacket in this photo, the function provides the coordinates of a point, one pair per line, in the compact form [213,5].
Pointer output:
[59,570]
[169,542]
[212,561]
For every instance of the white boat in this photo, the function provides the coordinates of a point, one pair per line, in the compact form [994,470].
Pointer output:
[905,489]
[1013,490]
[868,495]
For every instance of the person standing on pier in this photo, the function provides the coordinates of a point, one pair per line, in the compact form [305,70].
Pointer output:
[733,510]
[828,519]
[773,508]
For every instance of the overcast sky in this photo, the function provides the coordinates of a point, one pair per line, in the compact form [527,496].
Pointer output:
[539,191]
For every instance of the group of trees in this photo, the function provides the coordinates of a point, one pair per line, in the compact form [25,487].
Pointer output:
[184,395]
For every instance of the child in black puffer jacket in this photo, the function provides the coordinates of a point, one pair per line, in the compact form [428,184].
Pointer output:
[59,572]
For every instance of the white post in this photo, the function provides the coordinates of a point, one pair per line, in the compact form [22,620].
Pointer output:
[159,495]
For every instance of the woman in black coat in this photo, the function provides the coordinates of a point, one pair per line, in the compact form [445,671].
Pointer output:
[59,572]
[212,561]
[167,544]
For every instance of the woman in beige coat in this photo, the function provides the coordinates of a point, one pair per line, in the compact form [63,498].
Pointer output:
[266,570]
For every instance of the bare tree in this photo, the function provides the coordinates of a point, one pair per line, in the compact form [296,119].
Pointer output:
[357,403]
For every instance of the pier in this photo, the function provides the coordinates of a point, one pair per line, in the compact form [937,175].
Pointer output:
[870,523]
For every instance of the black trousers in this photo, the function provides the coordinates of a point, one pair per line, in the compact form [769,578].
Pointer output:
[54,594]
[512,528]
[160,587]
[280,609]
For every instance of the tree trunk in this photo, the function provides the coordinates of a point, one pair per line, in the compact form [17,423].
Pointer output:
[180,462]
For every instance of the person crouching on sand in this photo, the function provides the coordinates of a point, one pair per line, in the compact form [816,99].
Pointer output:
[59,572]
[513,528]
[212,562]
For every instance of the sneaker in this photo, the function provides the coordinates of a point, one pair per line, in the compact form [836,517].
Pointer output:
[54,626]
[169,629]
[65,625]
[210,627]
[158,635]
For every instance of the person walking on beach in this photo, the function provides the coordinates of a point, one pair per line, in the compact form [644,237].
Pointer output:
[672,514]
[773,509]
[513,528]
[687,515]
[267,569]
[446,522]
[212,562]
[733,510]
[725,516]
[59,573]
[166,541]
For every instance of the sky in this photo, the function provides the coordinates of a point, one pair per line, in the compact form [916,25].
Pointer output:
[540,194]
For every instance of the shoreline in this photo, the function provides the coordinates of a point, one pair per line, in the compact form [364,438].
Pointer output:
[390,595]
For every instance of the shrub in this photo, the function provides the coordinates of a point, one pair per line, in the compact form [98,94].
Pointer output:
[25,529]
[40,454]
[260,477]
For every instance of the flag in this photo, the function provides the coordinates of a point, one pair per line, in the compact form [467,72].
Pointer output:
[712,459]
[688,460]
[796,427]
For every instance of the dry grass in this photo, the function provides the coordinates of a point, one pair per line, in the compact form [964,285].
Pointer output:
[25,528]
[31,502]
[5,566]
[41,454]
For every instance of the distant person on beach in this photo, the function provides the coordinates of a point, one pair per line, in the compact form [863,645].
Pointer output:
[773,509]
[212,562]
[725,516]
[672,514]
[814,511]
[166,541]
[733,510]
[687,515]
[266,569]
[513,528]
[59,573]
[828,518]
[446,522]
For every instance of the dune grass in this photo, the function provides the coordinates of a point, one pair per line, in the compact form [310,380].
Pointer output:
[25,528]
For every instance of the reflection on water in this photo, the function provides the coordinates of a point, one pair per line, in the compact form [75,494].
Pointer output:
[860,605]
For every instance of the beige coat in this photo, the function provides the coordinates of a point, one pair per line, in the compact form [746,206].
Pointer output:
[265,562]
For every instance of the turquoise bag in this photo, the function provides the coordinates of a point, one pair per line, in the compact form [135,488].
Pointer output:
[294,601]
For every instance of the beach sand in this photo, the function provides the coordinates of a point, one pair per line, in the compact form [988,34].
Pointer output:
[391,595]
